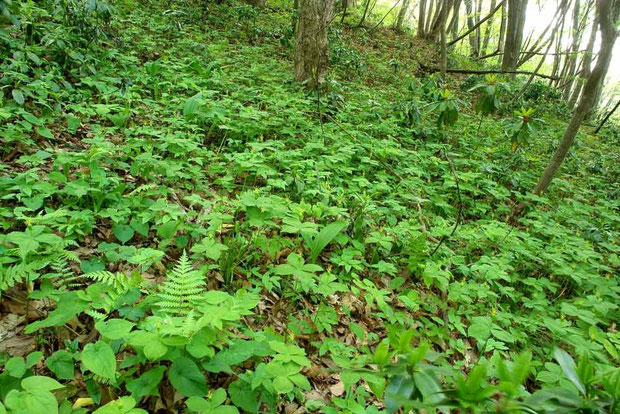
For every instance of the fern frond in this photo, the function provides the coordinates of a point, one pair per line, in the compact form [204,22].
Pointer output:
[95,314]
[183,289]
[116,280]
[10,276]
[112,287]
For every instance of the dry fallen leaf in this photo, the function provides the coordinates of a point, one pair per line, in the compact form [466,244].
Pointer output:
[337,389]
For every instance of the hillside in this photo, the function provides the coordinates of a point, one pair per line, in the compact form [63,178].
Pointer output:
[181,219]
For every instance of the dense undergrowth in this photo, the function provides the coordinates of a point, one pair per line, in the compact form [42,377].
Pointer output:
[180,219]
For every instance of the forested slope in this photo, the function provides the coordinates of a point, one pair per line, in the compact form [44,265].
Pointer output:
[181,219]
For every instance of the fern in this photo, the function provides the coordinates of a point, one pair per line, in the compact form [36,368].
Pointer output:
[183,289]
[29,269]
[12,275]
[112,286]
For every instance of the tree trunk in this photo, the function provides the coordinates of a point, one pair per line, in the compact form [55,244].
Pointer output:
[454,23]
[311,48]
[599,89]
[421,16]
[514,34]
[558,18]
[609,114]
[453,26]
[402,13]
[471,30]
[558,57]
[572,59]
[502,30]
[444,48]
[437,26]
[363,19]
[429,17]
[477,20]
[586,65]
[607,12]
[487,32]
[471,27]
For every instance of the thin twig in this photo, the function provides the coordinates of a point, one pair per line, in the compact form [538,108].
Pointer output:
[460,210]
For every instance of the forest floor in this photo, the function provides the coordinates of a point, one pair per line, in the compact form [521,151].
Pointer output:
[332,224]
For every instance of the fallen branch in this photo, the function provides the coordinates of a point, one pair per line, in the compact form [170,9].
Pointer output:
[484,72]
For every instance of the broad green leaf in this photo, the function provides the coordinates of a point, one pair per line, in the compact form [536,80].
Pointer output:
[40,383]
[186,378]
[61,364]
[99,359]
[16,367]
[147,383]
[36,402]
[114,329]
[123,232]
[283,385]
[45,132]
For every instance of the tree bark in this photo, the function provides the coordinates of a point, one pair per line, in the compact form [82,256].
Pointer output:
[311,48]
[477,15]
[444,48]
[502,30]
[586,66]
[471,27]
[607,12]
[402,13]
[487,31]
[429,17]
[514,34]
[439,24]
[453,26]
[421,16]
[571,64]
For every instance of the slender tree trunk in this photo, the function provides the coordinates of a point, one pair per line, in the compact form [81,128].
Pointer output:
[429,17]
[421,16]
[477,17]
[607,12]
[586,65]
[555,22]
[572,62]
[487,32]
[609,114]
[454,24]
[599,90]
[471,27]
[402,13]
[444,47]
[531,78]
[514,34]
[502,30]
[311,48]
[558,58]
[439,25]
[471,30]
[363,19]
